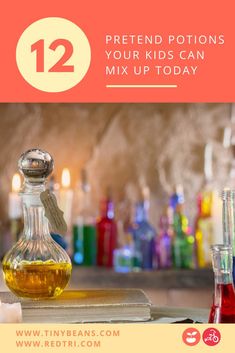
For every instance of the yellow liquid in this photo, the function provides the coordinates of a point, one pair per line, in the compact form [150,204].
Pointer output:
[37,279]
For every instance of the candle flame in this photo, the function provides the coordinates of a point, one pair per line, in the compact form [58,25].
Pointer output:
[65,179]
[16,183]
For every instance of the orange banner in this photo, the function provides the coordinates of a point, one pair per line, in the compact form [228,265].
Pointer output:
[169,51]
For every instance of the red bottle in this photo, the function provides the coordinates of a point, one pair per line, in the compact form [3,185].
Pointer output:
[223,308]
[106,234]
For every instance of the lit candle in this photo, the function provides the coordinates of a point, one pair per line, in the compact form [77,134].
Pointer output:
[66,197]
[15,205]
[10,313]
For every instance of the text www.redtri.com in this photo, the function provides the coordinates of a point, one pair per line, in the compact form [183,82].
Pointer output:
[62,338]
[58,344]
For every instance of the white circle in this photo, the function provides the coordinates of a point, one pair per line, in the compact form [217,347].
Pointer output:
[48,30]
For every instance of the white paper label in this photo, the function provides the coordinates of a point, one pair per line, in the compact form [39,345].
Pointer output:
[53,213]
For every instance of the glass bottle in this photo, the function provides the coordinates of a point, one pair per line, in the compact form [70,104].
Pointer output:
[183,243]
[84,229]
[123,258]
[228,199]
[164,243]
[106,234]
[144,236]
[223,307]
[204,229]
[36,267]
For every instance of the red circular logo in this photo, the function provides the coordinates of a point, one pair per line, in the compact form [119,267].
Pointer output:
[211,336]
[191,336]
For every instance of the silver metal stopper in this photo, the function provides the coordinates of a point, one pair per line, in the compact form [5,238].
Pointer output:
[36,165]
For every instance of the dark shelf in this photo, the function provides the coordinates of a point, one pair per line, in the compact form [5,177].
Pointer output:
[95,277]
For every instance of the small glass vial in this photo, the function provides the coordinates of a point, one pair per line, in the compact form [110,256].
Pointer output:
[36,267]
[223,308]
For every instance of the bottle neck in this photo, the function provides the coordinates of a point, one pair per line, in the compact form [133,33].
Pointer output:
[228,217]
[86,200]
[141,214]
[178,224]
[232,170]
[223,278]
[86,205]
[107,209]
[180,221]
[164,223]
[222,262]
[35,222]
[204,204]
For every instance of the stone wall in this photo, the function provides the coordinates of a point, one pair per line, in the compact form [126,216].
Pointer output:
[122,146]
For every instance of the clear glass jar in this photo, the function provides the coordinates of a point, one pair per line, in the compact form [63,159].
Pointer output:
[36,267]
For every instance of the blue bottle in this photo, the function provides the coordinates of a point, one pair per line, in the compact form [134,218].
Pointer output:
[144,236]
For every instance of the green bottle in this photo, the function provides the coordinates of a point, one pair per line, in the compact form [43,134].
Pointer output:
[183,243]
[84,229]
[84,244]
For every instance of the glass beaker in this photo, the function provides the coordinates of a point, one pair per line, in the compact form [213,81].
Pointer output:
[228,199]
[223,307]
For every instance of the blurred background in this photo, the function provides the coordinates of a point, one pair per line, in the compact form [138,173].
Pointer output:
[120,145]
[130,153]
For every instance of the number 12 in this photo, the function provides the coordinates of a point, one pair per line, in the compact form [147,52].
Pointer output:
[60,66]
